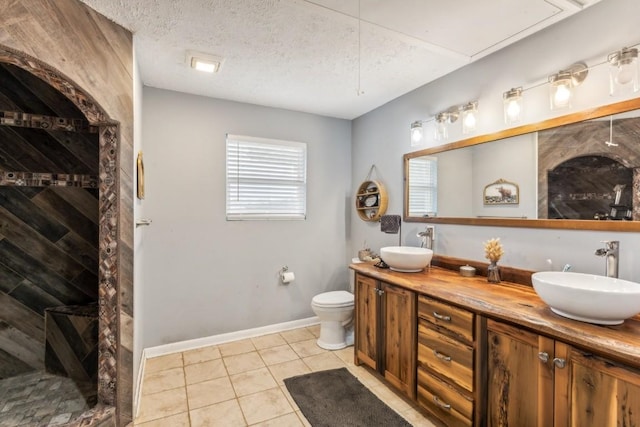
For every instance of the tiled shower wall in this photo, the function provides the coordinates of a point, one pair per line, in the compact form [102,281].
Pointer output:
[95,56]
[48,258]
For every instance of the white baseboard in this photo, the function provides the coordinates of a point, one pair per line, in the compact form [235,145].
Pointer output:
[181,346]
[138,389]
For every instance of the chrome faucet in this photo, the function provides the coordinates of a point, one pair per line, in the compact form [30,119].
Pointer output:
[610,251]
[427,236]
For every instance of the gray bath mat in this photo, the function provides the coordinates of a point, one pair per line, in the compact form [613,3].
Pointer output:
[335,398]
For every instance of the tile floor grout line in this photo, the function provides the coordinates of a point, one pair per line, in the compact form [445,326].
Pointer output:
[186,390]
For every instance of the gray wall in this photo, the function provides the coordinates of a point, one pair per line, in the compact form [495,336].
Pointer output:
[204,275]
[382,136]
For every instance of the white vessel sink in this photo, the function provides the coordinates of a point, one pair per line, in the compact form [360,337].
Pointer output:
[588,297]
[406,259]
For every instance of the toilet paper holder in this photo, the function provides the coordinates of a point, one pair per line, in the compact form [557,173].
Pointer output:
[286,276]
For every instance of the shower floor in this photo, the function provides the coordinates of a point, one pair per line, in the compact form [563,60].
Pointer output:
[42,399]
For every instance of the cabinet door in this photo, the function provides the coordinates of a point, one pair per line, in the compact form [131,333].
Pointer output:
[520,377]
[399,331]
[592,391]
[366,323]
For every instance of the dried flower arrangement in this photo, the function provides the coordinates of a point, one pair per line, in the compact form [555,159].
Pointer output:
[493,250]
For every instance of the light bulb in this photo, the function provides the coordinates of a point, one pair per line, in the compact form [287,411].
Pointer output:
[470,121]
[416,134]
[513,109]
[562,95]
[562,84]
[512,105]
[441,131]
[625,73]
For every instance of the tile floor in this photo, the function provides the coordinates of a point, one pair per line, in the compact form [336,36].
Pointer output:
[38,398]
[240,383]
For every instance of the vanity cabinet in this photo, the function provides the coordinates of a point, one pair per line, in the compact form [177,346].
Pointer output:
[385,331]
[446,353]
[538,381]
[472,354]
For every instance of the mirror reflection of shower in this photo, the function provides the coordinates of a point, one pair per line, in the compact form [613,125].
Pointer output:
[590,187]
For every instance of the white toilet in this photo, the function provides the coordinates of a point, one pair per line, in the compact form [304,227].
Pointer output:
[335,310]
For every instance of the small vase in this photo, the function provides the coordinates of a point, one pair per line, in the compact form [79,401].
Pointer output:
[493,272]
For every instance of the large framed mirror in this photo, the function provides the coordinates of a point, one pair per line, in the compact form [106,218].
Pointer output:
[579,171]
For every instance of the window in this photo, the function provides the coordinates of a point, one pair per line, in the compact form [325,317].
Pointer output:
[423,186]
[266,178]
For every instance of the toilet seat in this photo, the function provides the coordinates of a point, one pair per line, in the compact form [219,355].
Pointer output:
[333,299]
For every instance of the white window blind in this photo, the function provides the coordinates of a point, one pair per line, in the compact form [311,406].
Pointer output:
[423,186]
[266,178]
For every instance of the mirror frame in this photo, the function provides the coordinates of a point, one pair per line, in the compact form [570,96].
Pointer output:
[593,113]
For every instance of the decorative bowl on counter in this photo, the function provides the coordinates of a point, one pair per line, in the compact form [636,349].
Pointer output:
[406,259]
[588,297]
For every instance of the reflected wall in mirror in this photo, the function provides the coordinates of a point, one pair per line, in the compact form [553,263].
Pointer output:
[580,171]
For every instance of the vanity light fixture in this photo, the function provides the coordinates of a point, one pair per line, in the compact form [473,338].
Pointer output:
[417,133]
[562,83]
[469,117]
[452,114]
[623,71]
[442,130]
[512,105]
[204,62]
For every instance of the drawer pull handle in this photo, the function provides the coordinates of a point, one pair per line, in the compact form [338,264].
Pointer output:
[442,356]
[544,356]
[560,363]
[441,316]
[440,403]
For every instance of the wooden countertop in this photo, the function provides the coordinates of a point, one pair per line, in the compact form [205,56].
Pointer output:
[517,304]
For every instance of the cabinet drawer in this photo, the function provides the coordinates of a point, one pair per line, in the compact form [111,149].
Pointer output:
[453,319]
[446,356]
[442,400]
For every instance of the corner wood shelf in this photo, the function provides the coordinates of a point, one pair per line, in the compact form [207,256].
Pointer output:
[371,200]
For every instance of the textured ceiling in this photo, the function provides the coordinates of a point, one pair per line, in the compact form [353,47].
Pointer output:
[339,58]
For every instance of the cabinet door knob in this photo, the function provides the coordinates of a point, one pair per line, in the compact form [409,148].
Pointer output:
[442,356]
[544,356]
[380,292]
[441,316]
[440,403]
[560,363]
